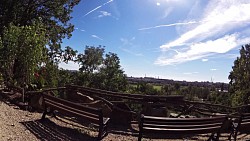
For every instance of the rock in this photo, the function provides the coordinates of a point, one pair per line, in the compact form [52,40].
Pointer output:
[16,107]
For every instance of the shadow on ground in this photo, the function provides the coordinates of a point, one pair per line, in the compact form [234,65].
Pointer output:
[47,130]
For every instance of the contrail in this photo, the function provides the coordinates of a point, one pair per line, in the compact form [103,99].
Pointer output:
[168,25]
[95,36]
[97,8]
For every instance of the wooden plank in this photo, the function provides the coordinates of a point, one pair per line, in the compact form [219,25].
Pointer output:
[197,120]
[73,109]
[71,104]
[67,111]
[181,131]
[138,97]
[181,123]
[245,115]
[180,126]
[107,94]
[208,104]
[53,89]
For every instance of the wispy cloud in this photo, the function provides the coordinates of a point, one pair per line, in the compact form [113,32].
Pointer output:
[76,28]
[167,12]
[129,47]
[169,25]
[95,36]
[97,8]
[127,41]
[201,50]
[213,69]
[104,14]
[131,52]
[231,56]
[190,73]
[204,60]
[213,34]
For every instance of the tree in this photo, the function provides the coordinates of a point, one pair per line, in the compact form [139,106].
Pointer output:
[55,15]
[240,76]
[99,72]
[22,50]
[113,76]
[91,60]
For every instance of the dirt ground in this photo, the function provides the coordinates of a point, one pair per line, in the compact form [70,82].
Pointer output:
[21,125]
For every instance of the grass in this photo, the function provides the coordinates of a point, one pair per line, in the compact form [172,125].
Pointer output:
[157,87]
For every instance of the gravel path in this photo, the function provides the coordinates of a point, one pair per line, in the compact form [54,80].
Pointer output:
[20,125]
[11,124]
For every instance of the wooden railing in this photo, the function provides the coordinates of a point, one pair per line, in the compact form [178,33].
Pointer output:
[176,100]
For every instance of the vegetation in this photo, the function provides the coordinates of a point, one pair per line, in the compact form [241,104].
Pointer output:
[101,72]
[55,16]
[31,33]
[240,76]
[22,52]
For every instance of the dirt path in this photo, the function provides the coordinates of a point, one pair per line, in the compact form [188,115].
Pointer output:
[20,125]
[11,123]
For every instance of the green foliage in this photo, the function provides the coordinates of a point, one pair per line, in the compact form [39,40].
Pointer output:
[222,98]
[168,89]
[157,87]
[239,78]
[146,88]
[113,76]
[91,60]
[66,77]
[49,74]
[68,54]
[23,49]
[99,72]
[55,15]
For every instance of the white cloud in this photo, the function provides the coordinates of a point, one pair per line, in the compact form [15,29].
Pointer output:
[208,37]
[104,14]
[217,21]
[95,36]
[204,60]
[202,49]
[158,4]
[213,69]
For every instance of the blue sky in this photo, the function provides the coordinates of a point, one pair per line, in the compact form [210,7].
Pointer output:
[193,40]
